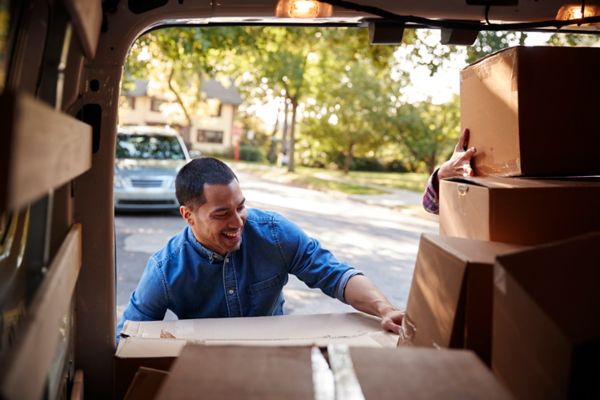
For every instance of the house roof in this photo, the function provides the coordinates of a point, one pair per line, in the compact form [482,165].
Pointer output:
[212,88]
[140,89]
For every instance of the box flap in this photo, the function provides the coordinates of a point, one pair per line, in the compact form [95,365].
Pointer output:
[145,384]
[420,373]
[472,251]
[216,372]
[134,347]
[352,328]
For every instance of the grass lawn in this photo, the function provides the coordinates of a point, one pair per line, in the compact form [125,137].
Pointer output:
[356,182]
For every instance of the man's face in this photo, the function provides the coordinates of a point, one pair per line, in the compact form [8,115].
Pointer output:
[217,224]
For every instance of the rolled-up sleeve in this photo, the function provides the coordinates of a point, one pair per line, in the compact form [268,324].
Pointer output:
[341,289]
[311,262]
[431,202]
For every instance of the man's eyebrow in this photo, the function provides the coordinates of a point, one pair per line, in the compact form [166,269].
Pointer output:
[222,209]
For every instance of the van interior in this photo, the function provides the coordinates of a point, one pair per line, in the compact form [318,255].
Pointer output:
[61,65]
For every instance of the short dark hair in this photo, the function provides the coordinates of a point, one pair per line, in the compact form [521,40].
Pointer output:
[189,184]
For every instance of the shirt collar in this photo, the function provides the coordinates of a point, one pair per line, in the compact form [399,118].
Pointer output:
[211,255]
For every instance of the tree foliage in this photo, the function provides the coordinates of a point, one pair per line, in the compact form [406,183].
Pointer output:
[490,41]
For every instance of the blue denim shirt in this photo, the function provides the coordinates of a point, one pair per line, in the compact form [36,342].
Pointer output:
[194,282]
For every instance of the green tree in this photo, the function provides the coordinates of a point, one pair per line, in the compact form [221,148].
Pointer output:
[350,89]
[573,40]
[490,41]
[180,58]
[425,132]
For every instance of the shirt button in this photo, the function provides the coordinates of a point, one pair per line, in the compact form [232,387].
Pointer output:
[227,260]
[231,291]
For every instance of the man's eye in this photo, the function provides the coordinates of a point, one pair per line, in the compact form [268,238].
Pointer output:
[240,208]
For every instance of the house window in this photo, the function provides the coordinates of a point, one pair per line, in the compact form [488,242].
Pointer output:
[127,103]
[205,136]
[214,107]
[155,104]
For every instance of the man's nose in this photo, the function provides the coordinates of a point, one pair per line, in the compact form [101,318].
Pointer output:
[237,220]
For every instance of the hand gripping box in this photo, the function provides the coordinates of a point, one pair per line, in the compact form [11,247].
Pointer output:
[546,328]
[450,299]
[518,210]
[533,111]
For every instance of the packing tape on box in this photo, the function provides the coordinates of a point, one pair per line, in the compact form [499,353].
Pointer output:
[335,380]
[323,381]
[500,279]
[347,386]
[407,331]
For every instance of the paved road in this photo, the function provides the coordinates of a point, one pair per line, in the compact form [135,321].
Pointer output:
[378,240]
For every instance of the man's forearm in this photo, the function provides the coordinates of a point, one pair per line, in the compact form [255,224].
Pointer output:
[364,296]
[361,294]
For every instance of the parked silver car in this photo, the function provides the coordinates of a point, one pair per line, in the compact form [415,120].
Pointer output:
[147,162]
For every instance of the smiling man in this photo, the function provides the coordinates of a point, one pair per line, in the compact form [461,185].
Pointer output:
[230,261]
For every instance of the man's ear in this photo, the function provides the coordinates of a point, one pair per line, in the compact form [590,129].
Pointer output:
[186,214]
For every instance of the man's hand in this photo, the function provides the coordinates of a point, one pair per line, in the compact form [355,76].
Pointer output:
[361,294]
[391,320]
[460,162]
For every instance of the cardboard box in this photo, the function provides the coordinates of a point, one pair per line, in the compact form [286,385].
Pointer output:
[450,299]
[428,374]
[546,338]
[156,344]
[240,372]
[229,372]
[533,111]
[518,210]
[146,383]
[134,353]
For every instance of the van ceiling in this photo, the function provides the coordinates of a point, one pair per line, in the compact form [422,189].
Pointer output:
[469,14]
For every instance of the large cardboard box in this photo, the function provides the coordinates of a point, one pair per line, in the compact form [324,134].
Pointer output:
[450,299]
[546,339]
[427,374]
[229,372]
[533,111]
[156,344]
[518,210]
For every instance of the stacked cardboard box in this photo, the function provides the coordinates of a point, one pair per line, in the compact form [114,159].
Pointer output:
[537,135]
[546,339]
[226,372]
[157,344]
[450,299]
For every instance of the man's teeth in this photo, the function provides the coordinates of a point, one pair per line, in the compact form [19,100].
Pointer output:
[231,235]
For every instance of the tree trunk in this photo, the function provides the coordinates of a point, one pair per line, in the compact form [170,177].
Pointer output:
[284,131]
[186,129]
[348,159]
[273,145]
[292,143]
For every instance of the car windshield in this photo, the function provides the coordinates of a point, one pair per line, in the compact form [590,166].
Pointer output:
[149,147]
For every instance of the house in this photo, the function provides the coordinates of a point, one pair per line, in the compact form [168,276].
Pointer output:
[212,129]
